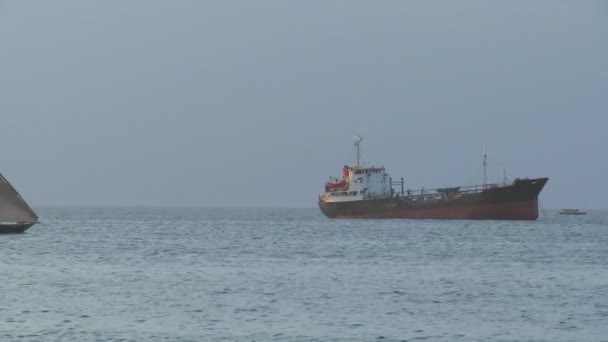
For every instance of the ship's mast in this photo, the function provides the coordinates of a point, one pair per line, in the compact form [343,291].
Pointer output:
[485,163]
[358,139]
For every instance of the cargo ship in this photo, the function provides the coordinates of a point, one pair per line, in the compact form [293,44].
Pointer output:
[370,192]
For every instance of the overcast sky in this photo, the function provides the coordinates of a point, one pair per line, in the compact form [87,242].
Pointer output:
[256,103]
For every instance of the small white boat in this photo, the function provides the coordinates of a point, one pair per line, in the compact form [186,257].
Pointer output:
[571,212]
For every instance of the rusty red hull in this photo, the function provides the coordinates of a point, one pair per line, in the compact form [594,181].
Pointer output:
[515,202]
[503,211]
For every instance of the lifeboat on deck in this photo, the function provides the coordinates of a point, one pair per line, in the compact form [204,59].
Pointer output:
[336,186]
[339,185]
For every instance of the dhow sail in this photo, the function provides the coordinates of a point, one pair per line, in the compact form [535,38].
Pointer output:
[13,209]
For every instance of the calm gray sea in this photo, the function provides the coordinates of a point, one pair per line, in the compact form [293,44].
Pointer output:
[129,274]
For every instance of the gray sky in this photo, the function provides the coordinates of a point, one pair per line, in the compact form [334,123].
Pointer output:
[255,103]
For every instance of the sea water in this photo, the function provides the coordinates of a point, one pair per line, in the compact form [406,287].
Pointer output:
[162,274]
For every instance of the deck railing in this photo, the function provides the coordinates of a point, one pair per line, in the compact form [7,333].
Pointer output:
[399,191]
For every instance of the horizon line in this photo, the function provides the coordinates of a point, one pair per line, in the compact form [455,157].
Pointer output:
[158,206]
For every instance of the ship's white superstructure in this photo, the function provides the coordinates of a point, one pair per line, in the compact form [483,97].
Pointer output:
[358,183]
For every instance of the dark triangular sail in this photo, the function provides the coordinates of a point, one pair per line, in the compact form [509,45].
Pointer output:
[12,207]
